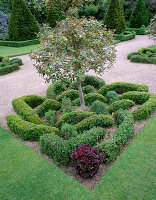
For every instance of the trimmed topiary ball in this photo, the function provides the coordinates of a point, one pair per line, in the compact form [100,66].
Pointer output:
[86,160]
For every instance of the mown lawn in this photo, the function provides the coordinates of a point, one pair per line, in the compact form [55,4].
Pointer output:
[14,51]
[24,175]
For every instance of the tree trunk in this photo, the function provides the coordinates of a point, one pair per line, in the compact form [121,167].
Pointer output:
[82,102]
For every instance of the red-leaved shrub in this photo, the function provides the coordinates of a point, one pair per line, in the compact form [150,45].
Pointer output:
[86,160]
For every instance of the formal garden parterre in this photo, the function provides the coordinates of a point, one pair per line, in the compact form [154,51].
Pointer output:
[72,127]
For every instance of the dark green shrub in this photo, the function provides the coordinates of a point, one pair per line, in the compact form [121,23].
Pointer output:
[27,130]
[60,150]
[73,117]
[71,94]
[114,18]
[140,59]
[110,149]
[88,89]
[153,60]
[137,97]
[50,118]
[139,15]
[67,106]
[94,120]
[15,60]
[22,106]
[90,98]
[68,131]
[122,87]
[132,54]
[145,110]
[120,115]
[125,104]
[55,88]
[52,16]
[112,146]
[48,104]
[94,81]
[8,69]
[112,96]
[99,108]
[138,31]
[22,25]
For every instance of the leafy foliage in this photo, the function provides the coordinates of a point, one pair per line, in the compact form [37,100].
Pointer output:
[68,131]
[152,28]
[112,96]
[50,117]
[66,105]
[139,15]
[114,18]
[86,160]
[22,25]
[99,107]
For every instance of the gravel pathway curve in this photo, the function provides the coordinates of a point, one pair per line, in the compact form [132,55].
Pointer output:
[27,81]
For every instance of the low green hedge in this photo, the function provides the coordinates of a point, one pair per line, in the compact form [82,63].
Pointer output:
[19,43]
[8,66]
[48,104]
[111,147]
[23,106]
[137,97]
[60,150]
[143,55]
[8,69]
[112,96]
[90,98]
[140,59]
[122,87]
[73,117]
[15,60]
[27,130]
[71,94]
[94,120]
[125,104]
[4,59]
[138,31]
[55,88]
[128,35]
[145,110]
[94,81]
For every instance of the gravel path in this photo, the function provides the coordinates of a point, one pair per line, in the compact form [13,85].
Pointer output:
[27,81]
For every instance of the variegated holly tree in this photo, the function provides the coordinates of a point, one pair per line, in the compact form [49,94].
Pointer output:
[73,48]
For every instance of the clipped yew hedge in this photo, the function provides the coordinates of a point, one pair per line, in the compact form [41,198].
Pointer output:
[122,87]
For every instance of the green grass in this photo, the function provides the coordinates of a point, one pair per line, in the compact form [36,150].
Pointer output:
[14,51]
[24,175]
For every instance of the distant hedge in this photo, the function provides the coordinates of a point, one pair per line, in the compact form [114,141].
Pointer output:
[19,43]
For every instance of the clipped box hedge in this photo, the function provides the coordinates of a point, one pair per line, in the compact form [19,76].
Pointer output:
[94,81]
[138,31]
[90,98]
[122,87]
[145,110]
[111,147]
[23,107]
[19,43]
[71,94]
[94,120]
[125,104]
[60,150]
[137,97]
[73,117]
[129,35]
[27,130]
[8,69]
[4,59]
[48,104]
